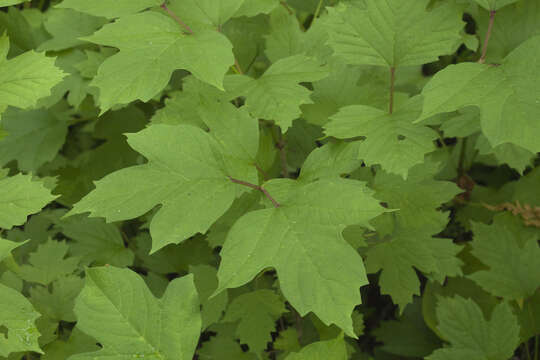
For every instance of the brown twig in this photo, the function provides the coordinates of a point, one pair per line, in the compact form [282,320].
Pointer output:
[256,187]
[488,36]
[176,18]
[529,214]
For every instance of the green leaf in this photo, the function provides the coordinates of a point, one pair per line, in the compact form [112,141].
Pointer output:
[330,161]
[276,95]
[78,342]
[185,169]
[494,5]
[392,140]
[110,307]
[97,242]
[58,303]
[10,2]
[152,46]
[254,7]
[17,316]
[514,266]
[109,8]
[20,196]
[505,94]
[34,137]
[206,282]
[7,246]
[48,263]
[393,32]
[26,78]
[200,14]
[302,240]
[471,336]
[256,313]
[331,349]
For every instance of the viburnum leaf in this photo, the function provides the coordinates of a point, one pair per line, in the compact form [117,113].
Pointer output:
[20,196]
[393,32]
[11,2]
[470,335]
[317,269]
[96,242]
[185,170]
[17,316]
[26,78]
[7,246]
[117,309]
[331,349]
[277,95]
[206,282]
[514,267]
[494,5]
[152,45]
[109,8]
[330,161]
[49,263]
[507,95]
[58,303]
[62,349]
[256,313]
[411,229]
[392,140]
[199,14]
[34,137]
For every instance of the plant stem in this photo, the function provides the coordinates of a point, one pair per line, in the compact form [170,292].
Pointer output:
[284,4]
[392,83]
[526,349]
[488,36]
[317,11]
[237,66]
[256,187]
[536,345]
[176,18]
[280,144]
[263,173]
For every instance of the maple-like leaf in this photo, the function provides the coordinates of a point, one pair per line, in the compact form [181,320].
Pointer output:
[331,349]
[117,309]
[392,140]
[393,32]
[470,335]
[17,316]
[26,78]
[206,282]
[20,196]
[277,95]
[301,239]
[256,313]
[494,5]
[152,45]
[514,263]
[185,170]
[109,8]
[507,95]
[7,246]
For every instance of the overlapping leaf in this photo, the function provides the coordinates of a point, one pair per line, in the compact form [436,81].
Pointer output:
[301,239]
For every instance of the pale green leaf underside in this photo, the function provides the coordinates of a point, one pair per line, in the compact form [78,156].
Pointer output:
[494,4]
[507,95]
[185,171]
[318,271]
[470,335]
[393,32]
[392,140]
[109,8]
[20,197]
[152,45]
[26,78]
[18,316]
[117,309]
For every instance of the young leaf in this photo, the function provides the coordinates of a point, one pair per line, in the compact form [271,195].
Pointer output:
[109,8]
[17,316]
[257,313]
[185,170]
[302,240]
[393,32]
[117,309]
[507,95]
[20,197]
[277,95]
[26,78]
[462,323]
[392,140]
[514,268]
[152,45]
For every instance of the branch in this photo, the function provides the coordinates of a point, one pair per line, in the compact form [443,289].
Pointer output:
[176,18]
[256,187]
[488,36]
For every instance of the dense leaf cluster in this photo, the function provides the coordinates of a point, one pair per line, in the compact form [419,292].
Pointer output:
[266,179]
